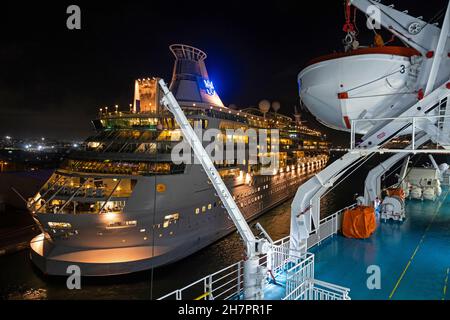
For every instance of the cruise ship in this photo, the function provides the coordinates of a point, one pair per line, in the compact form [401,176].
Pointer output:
[121,205]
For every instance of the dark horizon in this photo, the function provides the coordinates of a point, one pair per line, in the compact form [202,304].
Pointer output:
[55,79]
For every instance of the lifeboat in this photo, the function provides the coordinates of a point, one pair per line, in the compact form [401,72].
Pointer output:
[361,83]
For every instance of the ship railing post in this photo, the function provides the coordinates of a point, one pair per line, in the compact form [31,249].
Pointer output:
[178,295]
[413,146]
[336,218]
[352,133]
[208,282]
[239,279]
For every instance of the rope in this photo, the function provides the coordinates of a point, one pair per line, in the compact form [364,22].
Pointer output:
[401,70]
[381,95]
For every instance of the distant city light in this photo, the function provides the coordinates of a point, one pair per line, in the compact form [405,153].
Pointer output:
[75,145]
[43,139]
[8,138]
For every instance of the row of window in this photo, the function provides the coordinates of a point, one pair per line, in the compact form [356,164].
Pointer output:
[204,208]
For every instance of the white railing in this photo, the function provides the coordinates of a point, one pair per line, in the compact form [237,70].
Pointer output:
[320,290]
[228,283]
[223,284]
[434,123]
[297,276]
[329,226]
[301,285]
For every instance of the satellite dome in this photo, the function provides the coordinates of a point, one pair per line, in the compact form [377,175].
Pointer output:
[264,106]
[276,106]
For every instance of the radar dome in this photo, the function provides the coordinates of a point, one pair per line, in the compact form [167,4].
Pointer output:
[264,106]
[276,106]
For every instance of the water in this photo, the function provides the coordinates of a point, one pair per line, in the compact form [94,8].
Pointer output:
[19,279]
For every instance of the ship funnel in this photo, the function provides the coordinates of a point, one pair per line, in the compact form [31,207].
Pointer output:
[190,81]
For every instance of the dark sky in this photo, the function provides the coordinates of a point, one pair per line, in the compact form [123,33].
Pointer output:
[53,80]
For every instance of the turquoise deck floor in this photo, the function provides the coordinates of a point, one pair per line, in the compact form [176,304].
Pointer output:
[413,257]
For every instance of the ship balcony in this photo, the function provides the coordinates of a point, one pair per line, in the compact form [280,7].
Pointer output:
[75,195]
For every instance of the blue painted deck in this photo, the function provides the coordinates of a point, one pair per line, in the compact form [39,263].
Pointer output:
[413,256]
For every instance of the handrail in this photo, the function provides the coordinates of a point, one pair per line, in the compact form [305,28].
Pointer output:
[280,256]
[329,285]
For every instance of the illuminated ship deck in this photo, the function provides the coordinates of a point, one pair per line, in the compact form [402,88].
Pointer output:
[412,256]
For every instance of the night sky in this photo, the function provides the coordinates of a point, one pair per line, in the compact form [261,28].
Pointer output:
[53,80]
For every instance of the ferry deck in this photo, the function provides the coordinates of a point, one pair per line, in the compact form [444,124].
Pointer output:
[412,256]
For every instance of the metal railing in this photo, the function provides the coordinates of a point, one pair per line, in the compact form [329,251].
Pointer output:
[411,125]
[297,276]
[301,285]
[329,226]
[228,283]
[320,290]
[223,284]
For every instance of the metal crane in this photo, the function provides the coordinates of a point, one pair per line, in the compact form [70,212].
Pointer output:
[254,274]
[433,77]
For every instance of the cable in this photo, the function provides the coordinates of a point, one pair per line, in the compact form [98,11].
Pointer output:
[381,95]
[402,69]
[360,162]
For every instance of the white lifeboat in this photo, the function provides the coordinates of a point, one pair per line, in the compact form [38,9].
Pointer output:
[361,83]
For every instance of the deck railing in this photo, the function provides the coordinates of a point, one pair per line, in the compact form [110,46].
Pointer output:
[314,289]
[329,226]
[228,283]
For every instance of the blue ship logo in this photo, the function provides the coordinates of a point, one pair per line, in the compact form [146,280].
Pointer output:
[209,87]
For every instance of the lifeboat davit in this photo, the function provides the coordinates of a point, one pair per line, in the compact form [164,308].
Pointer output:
[362,83]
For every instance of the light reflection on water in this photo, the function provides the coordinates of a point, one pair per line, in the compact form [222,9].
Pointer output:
[19,279]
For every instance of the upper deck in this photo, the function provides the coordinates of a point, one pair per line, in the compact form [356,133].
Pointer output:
[247,117]
[412,256]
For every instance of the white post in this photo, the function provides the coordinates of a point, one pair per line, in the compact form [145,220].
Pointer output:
[253,272]
[439,52]
[254,279]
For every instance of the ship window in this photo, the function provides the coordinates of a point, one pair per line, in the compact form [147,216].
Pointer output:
[209,206]
[59,225]
[171,218]
[197,210]
[131,223]
[203,209]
